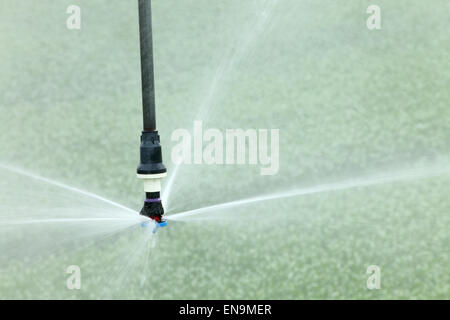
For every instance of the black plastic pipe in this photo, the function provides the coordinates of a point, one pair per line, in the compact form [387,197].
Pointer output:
[147,71]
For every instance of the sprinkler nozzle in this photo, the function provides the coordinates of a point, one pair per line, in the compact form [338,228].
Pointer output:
[151,170]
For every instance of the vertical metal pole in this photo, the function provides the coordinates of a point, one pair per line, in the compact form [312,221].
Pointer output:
[147,72]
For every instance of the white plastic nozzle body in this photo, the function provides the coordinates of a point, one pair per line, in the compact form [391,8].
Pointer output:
[152,182]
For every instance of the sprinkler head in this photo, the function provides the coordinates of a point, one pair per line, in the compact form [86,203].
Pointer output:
[151,170]
[154,210]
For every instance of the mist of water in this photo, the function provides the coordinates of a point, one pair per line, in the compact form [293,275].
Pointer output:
[41,215]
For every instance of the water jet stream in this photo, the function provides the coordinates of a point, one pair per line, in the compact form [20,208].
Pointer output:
[64,186]
[63,220]
[229,60]
[402,176]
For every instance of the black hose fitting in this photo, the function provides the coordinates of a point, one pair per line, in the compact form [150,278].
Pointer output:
[151,155]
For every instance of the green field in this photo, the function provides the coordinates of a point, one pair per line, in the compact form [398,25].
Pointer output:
[350,103]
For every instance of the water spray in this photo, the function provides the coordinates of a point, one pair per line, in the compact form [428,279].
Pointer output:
[151,169]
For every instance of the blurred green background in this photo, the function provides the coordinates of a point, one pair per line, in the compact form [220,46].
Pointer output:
[349,102]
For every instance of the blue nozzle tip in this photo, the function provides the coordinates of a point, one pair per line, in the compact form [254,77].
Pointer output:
[158,225]
[162,224]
